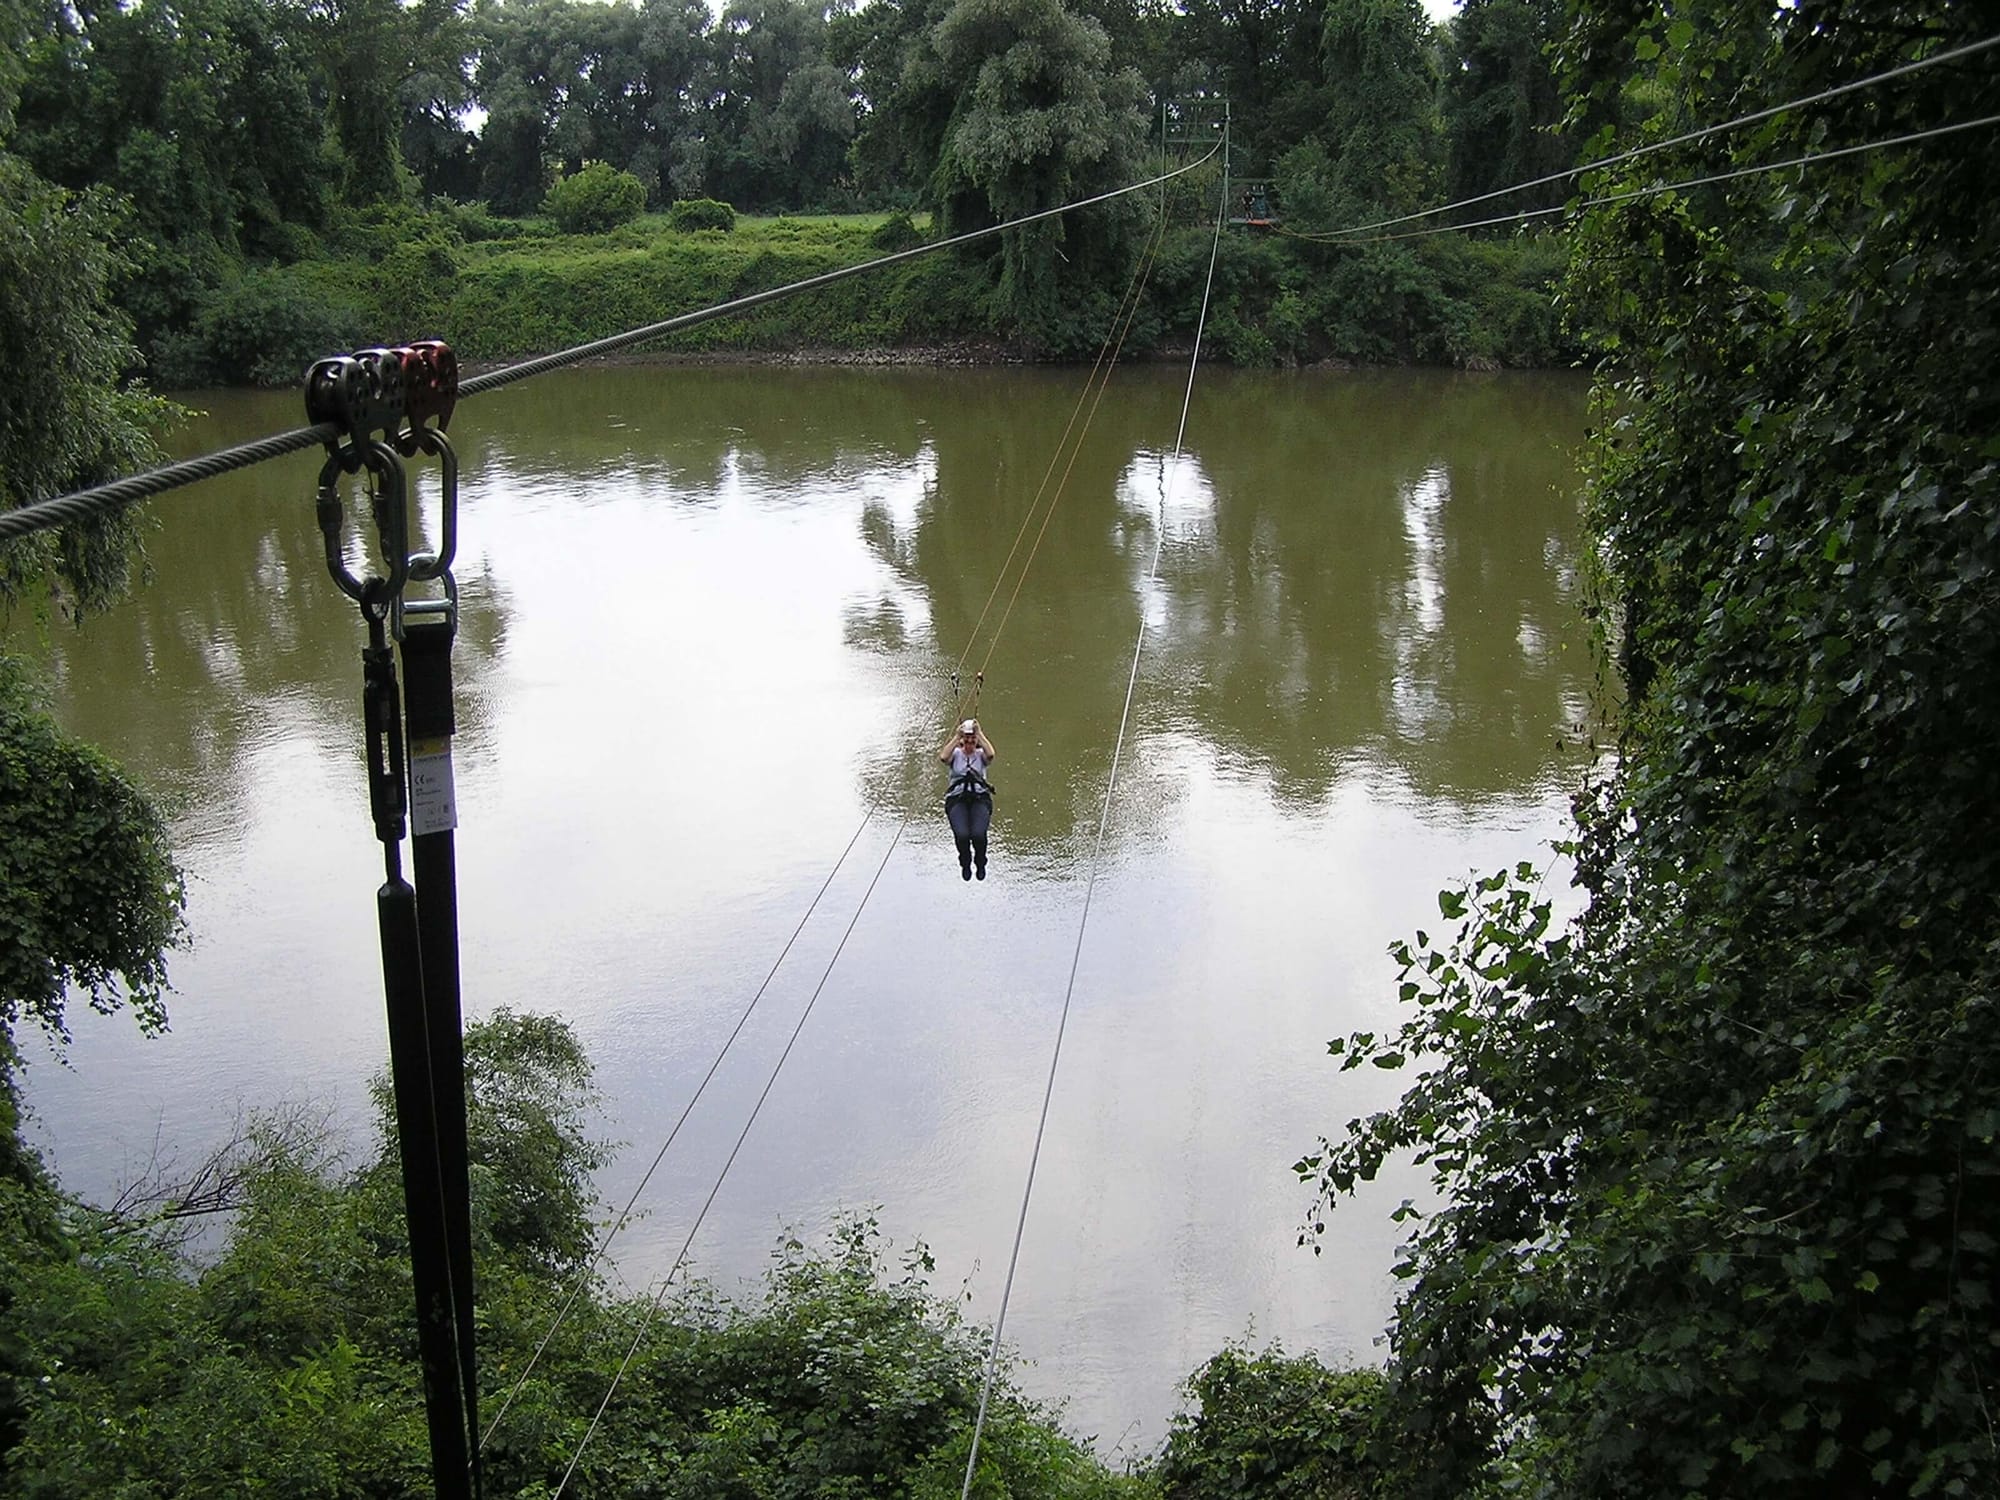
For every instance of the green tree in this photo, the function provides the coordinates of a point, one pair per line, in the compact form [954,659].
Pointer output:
[905,104]
[1503,109]
[656,133]
[1718,1159]
[1381,129]
[1264,57]
[782,116]
[371,53]
[1042,117]
[201,114]
[529,58]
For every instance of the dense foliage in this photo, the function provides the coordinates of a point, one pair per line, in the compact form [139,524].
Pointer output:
[242,138]
[282,1362]
[90,899]
[1717,1160]
[597,198]
[1272,1425]
[89,896]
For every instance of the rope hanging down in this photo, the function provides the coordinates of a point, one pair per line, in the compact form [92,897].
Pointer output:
[1090,886]
[1115,340]
[82,505]
[660,1293]
[1087,402]
[1091,396]
[367,400]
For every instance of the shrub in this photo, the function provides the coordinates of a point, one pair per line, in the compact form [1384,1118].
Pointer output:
[1273,1425]
[701,213]
[476,223]
[896,233]
[264,328]
[598,198]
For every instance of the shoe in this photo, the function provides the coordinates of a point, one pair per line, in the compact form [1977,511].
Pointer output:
[981,868]
[966,872]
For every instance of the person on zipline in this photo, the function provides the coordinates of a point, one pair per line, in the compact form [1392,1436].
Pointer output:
[969,802]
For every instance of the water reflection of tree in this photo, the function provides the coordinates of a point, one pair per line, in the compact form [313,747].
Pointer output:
[1371,573]
[1366,572]
[686,427]
[1381,577]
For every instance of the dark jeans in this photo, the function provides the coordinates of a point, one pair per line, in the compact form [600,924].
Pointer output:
[970,817]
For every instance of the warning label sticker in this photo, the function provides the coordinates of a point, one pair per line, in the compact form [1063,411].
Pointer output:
[433,803]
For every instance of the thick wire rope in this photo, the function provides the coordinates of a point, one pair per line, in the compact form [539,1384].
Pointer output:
[1656,189]
[1952,55]
[84,504]
[624,1214]
[659,1296]
[1090,886]
[1108,349]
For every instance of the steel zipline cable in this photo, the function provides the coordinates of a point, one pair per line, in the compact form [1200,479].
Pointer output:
[1954,54]
[85,504]
[1090,885]
[1655,190]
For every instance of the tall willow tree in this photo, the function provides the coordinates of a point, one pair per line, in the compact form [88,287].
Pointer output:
[1043,116]
[1502,107]
[1718,1161]
[1381,130]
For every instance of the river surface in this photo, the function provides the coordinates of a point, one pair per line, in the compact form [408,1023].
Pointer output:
[709,622]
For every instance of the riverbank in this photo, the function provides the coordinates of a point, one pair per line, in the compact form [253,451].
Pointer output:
[524,290]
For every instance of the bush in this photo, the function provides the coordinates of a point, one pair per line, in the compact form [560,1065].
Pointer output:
[701,213]
[1273,1425]
[897,233]
[264,328]
[598,198]
[477,224]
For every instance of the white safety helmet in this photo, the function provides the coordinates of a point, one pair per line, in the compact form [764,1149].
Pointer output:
[970,726]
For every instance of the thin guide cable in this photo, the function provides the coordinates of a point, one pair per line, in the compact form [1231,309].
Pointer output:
[1952,55]
[659,1296]
[1090,887]
[625,1213]
[1062,486]
[1114,340]
[1657,189]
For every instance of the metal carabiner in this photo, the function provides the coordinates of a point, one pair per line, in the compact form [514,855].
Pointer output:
[428,565]
[378,596]
[331,514]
